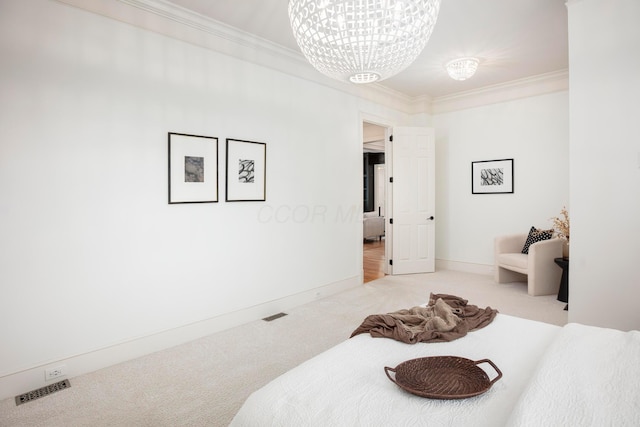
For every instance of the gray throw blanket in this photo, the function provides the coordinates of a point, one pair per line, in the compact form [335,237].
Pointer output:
[445,318]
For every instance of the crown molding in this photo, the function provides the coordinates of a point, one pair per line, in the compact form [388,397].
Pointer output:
[168,19]
[556,81]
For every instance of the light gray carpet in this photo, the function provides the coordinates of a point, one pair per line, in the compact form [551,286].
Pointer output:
[204,382]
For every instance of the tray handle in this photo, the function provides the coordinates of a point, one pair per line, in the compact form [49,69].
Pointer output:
[386,371]
[477,362]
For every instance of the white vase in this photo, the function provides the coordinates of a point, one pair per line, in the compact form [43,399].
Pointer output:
[565,250]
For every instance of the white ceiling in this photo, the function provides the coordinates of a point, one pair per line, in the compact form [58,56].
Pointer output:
[514,39]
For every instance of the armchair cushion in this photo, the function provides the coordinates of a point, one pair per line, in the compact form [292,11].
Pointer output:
[515,262]
[536,235]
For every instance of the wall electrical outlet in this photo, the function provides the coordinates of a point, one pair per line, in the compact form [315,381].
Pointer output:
[55,373]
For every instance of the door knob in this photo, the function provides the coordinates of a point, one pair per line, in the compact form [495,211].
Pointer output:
[430,218]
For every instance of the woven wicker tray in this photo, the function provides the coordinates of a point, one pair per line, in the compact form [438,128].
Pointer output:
[443,377]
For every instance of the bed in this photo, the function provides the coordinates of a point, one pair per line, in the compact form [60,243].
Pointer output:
[551,376]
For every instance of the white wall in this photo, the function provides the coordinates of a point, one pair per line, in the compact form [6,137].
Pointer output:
[91,254]
[535,133]
[604,40]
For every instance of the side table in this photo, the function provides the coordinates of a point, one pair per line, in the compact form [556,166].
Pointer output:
[563,292]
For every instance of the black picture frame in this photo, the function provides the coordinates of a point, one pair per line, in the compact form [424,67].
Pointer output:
[492,176]
[192,169]
[246,171]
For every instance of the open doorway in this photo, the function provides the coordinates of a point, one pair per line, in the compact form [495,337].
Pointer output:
[374,201]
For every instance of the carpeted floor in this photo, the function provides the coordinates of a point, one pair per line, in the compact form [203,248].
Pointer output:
[204,382]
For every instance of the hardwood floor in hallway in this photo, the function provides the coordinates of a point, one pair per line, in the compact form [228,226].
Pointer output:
[373,259]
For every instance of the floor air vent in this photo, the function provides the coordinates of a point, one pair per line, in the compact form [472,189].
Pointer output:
[274,317]
[41,392]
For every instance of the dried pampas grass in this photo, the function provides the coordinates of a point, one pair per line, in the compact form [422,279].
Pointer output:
[561,224]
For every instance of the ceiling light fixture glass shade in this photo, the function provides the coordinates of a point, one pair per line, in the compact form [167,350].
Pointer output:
[362,41]
[462,68]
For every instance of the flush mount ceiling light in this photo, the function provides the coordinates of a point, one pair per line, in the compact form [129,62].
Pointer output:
[362,41]
[462,68]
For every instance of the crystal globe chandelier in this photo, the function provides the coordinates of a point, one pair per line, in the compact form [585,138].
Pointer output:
[362,41]
[462,68]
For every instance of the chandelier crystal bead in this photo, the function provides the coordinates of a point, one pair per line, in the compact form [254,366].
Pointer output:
[362,41]
[462,68]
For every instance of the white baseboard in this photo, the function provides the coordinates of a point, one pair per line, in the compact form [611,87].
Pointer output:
[33,378]
[467,267]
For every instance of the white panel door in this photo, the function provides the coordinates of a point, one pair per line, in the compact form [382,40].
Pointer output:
[413,200]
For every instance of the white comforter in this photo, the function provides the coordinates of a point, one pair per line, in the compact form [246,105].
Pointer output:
[347,385]
[589,376]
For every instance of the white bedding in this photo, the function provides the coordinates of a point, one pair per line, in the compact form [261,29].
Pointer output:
[589,376]
[347,385]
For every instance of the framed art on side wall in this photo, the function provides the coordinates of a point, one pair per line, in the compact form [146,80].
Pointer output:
[193,168]
[492,176]
[246,171]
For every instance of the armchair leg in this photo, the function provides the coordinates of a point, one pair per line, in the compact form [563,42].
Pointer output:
[502,275]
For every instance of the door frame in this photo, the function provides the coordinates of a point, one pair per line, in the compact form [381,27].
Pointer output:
[388,125]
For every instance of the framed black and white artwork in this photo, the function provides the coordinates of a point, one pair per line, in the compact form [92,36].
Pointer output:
[193,168]
[246,171]
[492,176]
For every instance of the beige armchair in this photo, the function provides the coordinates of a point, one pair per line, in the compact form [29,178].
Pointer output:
[511,265]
